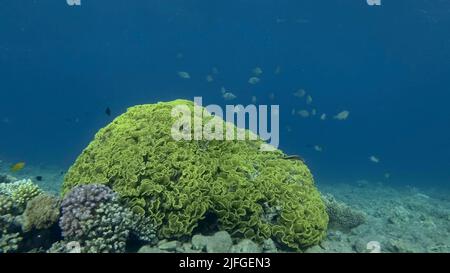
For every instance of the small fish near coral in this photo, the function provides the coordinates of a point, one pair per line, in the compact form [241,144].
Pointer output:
[108,111]
[18,167]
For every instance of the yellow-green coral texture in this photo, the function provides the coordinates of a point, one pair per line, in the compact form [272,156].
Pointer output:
[252,194]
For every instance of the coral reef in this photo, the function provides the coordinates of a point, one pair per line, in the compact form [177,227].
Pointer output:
[93,216]
[27,216]
[65,247]
[10,236]
[191,185]
[9,242]
[41,212]
[6,205]
[398,220]
[341,216]
[20,191]
[80,205]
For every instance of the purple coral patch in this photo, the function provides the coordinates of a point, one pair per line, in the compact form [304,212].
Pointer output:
[80,205]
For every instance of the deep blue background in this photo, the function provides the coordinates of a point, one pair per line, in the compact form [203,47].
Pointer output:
[61,66]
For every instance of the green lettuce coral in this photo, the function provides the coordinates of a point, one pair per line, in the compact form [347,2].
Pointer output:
[187,185]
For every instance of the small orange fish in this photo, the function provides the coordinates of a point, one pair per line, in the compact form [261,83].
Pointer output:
[18,166]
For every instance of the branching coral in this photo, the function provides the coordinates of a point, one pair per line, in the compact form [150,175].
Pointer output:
[20,191]
[6,205]
[65,247]
[9,242]
[93,217]
[10,236]
[26,217]
[185,185]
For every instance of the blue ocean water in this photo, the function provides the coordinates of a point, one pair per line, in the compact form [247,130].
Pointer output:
[61,66]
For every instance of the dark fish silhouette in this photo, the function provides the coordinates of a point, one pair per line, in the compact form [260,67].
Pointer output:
[39,178]
[108,111]
[294,157]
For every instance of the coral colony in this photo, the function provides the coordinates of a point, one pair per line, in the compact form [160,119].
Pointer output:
[236,187]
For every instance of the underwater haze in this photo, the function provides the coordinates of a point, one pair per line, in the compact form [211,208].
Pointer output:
[62,66]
